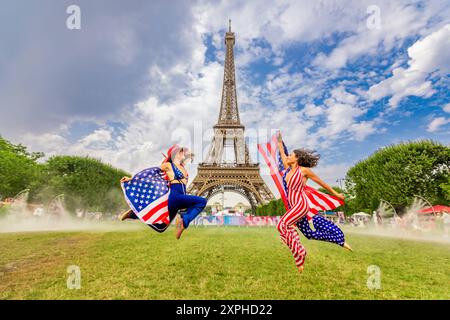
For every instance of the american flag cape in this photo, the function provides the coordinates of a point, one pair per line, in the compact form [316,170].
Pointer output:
[318,201]
[147,195]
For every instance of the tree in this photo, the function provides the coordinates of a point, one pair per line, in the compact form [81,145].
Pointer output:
[208,210]
[18,168]
[399,172]
[87,183]
[445,186]
[337,189]
[272,208]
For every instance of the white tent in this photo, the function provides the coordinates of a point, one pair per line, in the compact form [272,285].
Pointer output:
[361,214]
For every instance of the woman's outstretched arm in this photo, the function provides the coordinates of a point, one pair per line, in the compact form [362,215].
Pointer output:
[311,175]
[281,148]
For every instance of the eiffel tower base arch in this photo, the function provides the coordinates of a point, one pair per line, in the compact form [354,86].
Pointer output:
[244,180]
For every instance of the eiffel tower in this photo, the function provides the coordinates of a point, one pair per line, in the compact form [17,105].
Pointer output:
[228,166]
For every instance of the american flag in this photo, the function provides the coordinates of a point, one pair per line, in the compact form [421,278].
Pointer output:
[147,195]
[318,201]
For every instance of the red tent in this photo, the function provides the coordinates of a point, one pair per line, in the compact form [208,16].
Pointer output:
[437,208]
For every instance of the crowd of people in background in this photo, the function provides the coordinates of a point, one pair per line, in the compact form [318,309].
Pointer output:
[438,222]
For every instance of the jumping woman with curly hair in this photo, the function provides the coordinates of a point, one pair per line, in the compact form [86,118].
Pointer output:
[297,167]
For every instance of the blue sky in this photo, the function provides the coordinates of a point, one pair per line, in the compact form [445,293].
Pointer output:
[342,77]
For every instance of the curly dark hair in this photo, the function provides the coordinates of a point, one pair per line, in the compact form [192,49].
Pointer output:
[306,158]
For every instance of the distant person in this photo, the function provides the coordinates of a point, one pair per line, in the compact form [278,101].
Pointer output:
[446,220]
[80,213]
[379,219]
[38,212]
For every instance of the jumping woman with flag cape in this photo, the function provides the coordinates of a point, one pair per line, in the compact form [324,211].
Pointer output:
[155,195]
[290,173]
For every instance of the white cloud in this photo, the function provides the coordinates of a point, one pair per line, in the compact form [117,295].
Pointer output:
[342,112]
[312,110]
[152,126]
[446,108]
[51,76]
[185,90]
[340,116]
[49,143]
[428,56]
[341,95]
[437,123]
[98,139]
[398,20]
[283,81]
[362,129]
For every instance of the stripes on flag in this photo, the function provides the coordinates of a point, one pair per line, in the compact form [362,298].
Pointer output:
[317,201]
[269,151]
[147,194]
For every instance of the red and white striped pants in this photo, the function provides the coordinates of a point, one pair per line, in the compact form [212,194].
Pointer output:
[288,233]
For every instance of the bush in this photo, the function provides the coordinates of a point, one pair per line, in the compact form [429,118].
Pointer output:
[399,172]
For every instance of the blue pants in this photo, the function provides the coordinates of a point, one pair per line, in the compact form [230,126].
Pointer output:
[178,199]
[325,230]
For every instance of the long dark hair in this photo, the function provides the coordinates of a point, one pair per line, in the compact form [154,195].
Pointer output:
[306,158]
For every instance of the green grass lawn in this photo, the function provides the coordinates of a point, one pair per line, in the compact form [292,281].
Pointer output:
[216,263]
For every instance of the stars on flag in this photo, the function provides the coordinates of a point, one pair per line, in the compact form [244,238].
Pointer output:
[146,187]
